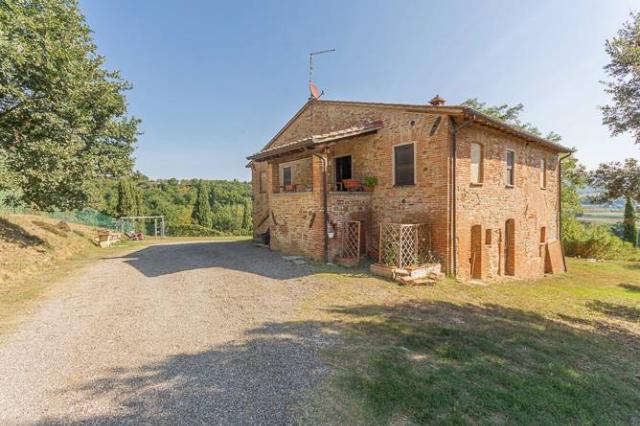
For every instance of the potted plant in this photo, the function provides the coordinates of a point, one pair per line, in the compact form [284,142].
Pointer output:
[369,183]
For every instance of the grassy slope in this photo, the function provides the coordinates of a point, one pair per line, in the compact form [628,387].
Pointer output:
[561,350]
[34,254]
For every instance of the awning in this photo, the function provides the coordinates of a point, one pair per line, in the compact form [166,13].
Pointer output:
[313,141]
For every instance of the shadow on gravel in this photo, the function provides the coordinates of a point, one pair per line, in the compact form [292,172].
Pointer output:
[256,382]
[426,362]
[158,260]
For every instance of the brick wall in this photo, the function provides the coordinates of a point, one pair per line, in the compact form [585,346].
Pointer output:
[300,227]
[492,203]
[372,156]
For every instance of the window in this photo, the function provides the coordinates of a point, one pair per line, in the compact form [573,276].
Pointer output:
[477,163]
[286,176]
[404,165]
[488,233]
[343,170]
[510,160]
[543,234]
[543,173]
[263,182]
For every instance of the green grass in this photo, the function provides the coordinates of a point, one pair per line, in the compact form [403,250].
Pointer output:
[560,350]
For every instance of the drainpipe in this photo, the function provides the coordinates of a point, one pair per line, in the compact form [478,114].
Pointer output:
[453,210]
[325,208]
[560,205]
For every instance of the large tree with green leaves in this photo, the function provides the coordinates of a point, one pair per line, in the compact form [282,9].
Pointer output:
[620,180]
[202,210]
[623,114]
[63,116]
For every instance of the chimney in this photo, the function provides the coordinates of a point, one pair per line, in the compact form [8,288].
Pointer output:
[437,101]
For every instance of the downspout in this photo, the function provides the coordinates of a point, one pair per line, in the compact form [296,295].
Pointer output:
[453,209]
[560,205]
[325,208]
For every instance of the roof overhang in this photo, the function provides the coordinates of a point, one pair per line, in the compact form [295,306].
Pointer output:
[481,118]
[316,141]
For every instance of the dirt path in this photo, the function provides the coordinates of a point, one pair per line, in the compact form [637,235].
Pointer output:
[176,334]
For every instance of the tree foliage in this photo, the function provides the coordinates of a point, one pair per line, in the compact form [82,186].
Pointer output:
[623,114]
[510,115]
[128,199]
[630,231]
[175,200]
[618,180]
[63,116]
[202,209]
[246,215]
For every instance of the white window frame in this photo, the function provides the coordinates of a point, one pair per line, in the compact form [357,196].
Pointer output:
[506,168]
[543,173]
[393,163]
[480,179]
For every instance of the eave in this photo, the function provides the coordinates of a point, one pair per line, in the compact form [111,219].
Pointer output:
[315,141]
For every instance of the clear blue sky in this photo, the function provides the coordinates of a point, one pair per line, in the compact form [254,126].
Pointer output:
[214,81]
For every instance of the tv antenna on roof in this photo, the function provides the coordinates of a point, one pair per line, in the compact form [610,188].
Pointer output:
[315,93]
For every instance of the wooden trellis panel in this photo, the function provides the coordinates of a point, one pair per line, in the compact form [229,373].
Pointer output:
[404,245]
[351,240]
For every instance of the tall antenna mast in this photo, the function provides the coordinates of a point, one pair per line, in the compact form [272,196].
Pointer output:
[311,85]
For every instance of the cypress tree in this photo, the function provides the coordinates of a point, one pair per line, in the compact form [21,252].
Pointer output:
[202,210]
[246,215]
[126,201]
[629,223]
[137,196]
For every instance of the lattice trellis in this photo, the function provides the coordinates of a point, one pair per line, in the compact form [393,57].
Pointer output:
[403,245]
[351,240]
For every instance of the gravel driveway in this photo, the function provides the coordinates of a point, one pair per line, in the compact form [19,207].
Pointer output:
[176,334]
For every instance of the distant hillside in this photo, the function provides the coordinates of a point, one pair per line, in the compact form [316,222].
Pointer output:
[175,198]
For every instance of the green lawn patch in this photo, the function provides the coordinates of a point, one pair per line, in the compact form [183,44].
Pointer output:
[563,350]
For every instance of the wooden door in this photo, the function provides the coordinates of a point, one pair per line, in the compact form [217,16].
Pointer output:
[476,252]
[510,247]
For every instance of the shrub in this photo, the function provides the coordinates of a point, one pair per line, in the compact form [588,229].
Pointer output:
[595,241]
[370,181]
[193,230]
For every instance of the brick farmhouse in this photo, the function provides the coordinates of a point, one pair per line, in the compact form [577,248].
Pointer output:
[488,192]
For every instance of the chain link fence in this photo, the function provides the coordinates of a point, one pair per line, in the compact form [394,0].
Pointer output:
[86,216]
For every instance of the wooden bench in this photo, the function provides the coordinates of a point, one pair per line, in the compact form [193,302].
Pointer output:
[106,237]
